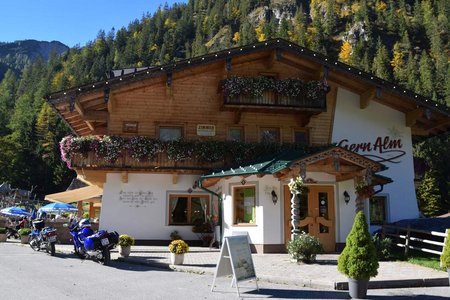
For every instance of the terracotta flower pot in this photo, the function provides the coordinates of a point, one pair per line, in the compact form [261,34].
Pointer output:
[24,239]
[3,237]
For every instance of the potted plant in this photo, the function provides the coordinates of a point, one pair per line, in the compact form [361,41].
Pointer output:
[125,243]
[177,249]
[359,260]
[204,231]
[304,248]
[24,235]
[445,256]
[2,234]
[364,190]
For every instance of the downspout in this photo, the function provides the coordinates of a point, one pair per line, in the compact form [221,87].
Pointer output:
[200,185]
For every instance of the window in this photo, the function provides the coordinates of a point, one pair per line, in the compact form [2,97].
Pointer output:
[378,210]
[244,199]
[187,209]
[268,135]
[301,137]
[236,134]
[170,133]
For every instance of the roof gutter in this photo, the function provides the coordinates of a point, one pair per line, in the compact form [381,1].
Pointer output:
[200,185]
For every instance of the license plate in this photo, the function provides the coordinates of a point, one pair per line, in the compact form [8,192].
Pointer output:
[52,238]
[105,242]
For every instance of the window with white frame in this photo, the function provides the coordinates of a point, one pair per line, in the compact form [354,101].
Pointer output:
[170,133]
[378,209]
[188,209]
[244,201]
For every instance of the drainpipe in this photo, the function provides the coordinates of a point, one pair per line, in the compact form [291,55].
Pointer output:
[200,185]
[380,190]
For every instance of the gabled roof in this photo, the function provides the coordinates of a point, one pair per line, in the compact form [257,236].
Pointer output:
[290,162]
[433,117]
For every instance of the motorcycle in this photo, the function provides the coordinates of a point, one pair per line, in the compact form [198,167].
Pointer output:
[12,233]
[88,244]
[43,238]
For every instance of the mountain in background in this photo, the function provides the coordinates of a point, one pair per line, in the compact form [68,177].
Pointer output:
[18,54]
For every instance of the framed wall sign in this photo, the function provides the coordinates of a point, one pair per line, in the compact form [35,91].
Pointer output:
[206,130]
[130,126]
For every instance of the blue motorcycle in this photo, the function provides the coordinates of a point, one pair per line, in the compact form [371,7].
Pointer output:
[88,244]
[43,238]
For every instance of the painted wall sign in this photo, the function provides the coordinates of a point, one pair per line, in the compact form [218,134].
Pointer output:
[382,149]
[206,130]
[137,198]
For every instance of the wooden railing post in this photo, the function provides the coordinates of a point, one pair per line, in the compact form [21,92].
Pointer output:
[447,232]
[408,234]
[383,230]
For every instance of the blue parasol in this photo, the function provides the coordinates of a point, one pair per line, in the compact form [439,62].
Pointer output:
[15,211]
[58,207]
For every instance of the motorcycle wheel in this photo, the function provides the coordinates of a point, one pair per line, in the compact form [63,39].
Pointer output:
[106,257]
[34,243]
[52,249]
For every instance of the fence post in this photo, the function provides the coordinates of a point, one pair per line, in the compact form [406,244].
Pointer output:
[443,247]
[383,230]
[408,234]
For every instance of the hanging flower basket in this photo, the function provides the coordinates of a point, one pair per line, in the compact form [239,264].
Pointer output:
[297,186]
[364,190]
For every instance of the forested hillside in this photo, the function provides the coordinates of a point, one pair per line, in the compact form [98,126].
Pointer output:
[406,41]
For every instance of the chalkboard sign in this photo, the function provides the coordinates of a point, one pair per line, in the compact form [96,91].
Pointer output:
[235,259]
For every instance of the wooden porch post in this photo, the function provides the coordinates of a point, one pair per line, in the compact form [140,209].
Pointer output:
[91,210]
[80,209]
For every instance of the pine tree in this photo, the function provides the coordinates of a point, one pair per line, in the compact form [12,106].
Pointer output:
[425,75]
[429,195]
[380,65]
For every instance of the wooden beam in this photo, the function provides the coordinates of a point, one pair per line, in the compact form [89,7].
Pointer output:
[124,177]
[237,116]
[111,103]
[81,111]
[366,97]
[210,182]
[174,178]
[99,116]
[412,116]
[100,130]
[419,132]
[275,56]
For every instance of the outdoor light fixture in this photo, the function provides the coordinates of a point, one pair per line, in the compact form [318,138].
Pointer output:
[274,197]
[346,197]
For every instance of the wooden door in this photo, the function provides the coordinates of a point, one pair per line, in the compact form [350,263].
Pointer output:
[317,215]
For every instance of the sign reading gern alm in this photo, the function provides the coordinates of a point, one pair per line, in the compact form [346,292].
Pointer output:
[382,149]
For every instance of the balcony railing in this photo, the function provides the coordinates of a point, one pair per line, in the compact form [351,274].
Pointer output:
[126,161]
[276,101]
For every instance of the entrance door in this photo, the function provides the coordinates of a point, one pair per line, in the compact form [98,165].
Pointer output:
[316,215]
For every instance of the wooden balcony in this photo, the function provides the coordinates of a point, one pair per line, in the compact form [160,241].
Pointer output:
[273,101]
[126,162]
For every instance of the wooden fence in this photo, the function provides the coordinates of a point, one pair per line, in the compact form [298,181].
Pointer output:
[422,240]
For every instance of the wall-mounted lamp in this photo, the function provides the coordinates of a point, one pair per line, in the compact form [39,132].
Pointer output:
[346,197]
[274,197]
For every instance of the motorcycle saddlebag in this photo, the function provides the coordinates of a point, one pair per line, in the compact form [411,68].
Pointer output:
[93,242]
[113,237]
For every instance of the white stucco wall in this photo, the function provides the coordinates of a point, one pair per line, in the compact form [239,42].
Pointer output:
[366,125]
[148,219]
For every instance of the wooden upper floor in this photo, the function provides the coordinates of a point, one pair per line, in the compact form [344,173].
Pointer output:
[185,99]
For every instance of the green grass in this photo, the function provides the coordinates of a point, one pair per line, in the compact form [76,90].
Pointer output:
[419,258]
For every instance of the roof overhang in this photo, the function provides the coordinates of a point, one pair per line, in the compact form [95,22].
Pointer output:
[85,108]
[85,194]
[340,162]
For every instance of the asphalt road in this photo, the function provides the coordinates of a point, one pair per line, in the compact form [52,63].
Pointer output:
[25,274]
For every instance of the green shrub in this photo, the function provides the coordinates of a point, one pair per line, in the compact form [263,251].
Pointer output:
[384,247]
[445,256]
[24,231]
[304,248]
[2,230]
[175,236]
[359,260]
[125,240]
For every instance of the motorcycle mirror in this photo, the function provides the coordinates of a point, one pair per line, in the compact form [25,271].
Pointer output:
[65,225]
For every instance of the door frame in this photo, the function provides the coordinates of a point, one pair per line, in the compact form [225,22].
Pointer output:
[287,211]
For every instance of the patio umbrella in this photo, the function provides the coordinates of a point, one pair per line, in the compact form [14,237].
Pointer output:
[58,207]
[15,211]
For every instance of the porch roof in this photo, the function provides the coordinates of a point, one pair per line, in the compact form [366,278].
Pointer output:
[335,160]
[88,193]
